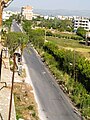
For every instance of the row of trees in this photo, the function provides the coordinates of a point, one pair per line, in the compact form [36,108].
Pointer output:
[61,25]
[72,63]
[36,36]
[64,35]
[75,90]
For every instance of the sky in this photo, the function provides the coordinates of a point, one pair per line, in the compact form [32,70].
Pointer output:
[51,4]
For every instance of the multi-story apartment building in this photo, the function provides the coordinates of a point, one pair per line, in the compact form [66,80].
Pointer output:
[27,12]
[81,22]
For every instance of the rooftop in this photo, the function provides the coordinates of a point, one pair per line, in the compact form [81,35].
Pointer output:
[27,7]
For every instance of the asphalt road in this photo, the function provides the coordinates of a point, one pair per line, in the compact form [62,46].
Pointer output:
[53,101]
[15,27]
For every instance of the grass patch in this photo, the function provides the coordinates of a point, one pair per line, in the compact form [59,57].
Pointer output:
[67,42]
[71,45]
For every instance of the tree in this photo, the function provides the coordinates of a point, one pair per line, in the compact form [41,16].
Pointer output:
[7,23]
[81,32]
[27,26]
[14,40]
[18,18]
[37,37]
[65,25]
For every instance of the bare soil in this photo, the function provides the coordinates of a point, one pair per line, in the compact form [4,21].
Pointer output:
[26,107]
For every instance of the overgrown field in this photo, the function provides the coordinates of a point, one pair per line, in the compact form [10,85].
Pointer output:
[71,45]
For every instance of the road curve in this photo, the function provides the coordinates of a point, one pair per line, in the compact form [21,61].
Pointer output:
[53,101]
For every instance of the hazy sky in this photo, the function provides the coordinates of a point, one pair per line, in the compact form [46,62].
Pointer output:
[52,4]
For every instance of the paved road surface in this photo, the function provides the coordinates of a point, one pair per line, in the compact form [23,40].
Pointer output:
[15,27]
[53,101]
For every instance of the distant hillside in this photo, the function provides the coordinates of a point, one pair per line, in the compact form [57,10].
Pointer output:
[64,12]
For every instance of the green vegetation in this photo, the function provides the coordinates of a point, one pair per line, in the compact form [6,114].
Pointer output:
[68,36]
[66,42]
[25,104]
[71,44]
[60,25]
[69,75]
[81,32]
[30,107]
[15,39]
[27,26]
[71,70]
[37,37]
[7,23]
[18,116]
[67,57]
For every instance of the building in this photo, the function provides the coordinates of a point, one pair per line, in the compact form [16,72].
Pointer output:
[64,17]
[81,22]
[27,12]
[46,17]
[6,15]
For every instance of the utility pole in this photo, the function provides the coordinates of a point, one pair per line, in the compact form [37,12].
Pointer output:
[10,107]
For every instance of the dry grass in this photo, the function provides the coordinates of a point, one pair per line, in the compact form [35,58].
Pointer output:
[26,107]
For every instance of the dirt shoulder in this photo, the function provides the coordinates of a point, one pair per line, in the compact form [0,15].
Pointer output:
[26,107]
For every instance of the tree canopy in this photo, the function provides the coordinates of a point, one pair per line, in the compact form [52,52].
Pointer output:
[81,32]
[15,39]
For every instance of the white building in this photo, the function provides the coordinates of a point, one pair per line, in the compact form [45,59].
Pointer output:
[6,15]
[64,17]
[27,12]
[46,17]
[81,22]
[35,15]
